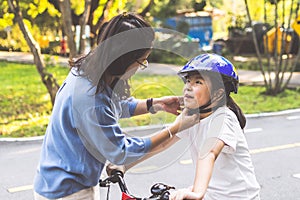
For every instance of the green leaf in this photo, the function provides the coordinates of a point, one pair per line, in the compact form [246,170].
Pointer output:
[42,6]
[99,11]
[27,23]
[32,11]
[53,11]
[6,21]
[77,6]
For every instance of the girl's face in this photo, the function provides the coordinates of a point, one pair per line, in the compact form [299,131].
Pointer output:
[196,91]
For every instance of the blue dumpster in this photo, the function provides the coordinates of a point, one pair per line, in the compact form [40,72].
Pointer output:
[200,26]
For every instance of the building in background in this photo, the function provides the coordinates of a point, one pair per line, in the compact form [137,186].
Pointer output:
[197,25]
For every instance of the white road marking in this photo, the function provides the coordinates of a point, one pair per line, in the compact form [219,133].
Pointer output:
[293,117]
[20,188]
[256,151]
[275,148]
[296,176]
[253,130]
[186,162]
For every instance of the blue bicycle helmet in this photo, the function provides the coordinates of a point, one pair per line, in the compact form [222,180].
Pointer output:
[212,63]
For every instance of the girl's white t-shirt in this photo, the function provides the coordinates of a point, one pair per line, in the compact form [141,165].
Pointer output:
[233,174]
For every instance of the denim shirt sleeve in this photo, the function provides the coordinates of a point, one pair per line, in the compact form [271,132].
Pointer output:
[128,107]
[104,139]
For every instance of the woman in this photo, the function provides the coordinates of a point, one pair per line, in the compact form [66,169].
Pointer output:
[83,133]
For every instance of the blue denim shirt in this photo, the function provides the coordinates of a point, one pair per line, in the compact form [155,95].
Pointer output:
[83,133]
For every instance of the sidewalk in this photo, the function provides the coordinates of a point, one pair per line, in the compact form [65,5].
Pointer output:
[246,76]
[27,58]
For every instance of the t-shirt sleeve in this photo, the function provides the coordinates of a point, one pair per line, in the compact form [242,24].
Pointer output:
[224,126]
[183,134]
[228,133]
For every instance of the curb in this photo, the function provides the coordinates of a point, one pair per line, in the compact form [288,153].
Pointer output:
[144,128]
[25,139]
[270,114]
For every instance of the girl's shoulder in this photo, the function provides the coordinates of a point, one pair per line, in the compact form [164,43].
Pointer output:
[224,110]
[225,115]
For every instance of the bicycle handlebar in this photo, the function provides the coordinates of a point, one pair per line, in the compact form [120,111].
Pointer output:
[159,191]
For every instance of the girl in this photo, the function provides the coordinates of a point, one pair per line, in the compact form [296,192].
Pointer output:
[83,132]
[219,149]
[218,146]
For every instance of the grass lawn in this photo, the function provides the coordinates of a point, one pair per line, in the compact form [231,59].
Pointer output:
[24,101]
[25,104]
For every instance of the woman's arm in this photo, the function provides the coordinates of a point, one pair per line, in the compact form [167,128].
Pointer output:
[163,146]
[169,104]
[165,138]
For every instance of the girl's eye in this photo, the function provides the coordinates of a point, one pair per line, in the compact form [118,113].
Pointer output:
[198,82]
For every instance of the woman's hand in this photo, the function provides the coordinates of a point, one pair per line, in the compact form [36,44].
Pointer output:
[185,120]
[185,193]
[111,167]
[169,104]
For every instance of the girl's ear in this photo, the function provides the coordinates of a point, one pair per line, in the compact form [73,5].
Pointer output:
[219,93]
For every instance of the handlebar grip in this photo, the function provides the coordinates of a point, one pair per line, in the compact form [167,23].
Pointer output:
[115,177]
[165,195]
[103,183]
[116,172]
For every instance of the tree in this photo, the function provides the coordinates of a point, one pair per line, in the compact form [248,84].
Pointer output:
[93,13]
[280,60]
[147,8]
[199,6]
[97,19]
[47,78]
[66,15]
[83,22]
[166,8]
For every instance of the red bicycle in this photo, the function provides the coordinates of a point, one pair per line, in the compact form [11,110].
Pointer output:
[159,191]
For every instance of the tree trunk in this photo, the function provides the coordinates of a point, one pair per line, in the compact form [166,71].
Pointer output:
[147,8]
[256,45]
[83,22]
[47,78]
[100,21]
[65,8]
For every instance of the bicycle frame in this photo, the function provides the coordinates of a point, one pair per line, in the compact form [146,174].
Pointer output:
[159,191]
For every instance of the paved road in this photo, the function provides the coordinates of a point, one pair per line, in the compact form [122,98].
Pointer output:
[274,142]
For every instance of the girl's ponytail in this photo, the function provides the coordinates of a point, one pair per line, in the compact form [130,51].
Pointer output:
[237,110]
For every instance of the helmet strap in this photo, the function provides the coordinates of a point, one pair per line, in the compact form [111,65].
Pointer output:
[204,109]
[201,109]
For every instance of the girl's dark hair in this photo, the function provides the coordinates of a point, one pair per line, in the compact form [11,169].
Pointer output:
[221,81]
[231,104]
[121,41]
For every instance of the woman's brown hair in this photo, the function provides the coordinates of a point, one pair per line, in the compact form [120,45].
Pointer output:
[123,40]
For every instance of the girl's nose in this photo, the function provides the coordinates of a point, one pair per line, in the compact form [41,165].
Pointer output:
[187,86]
